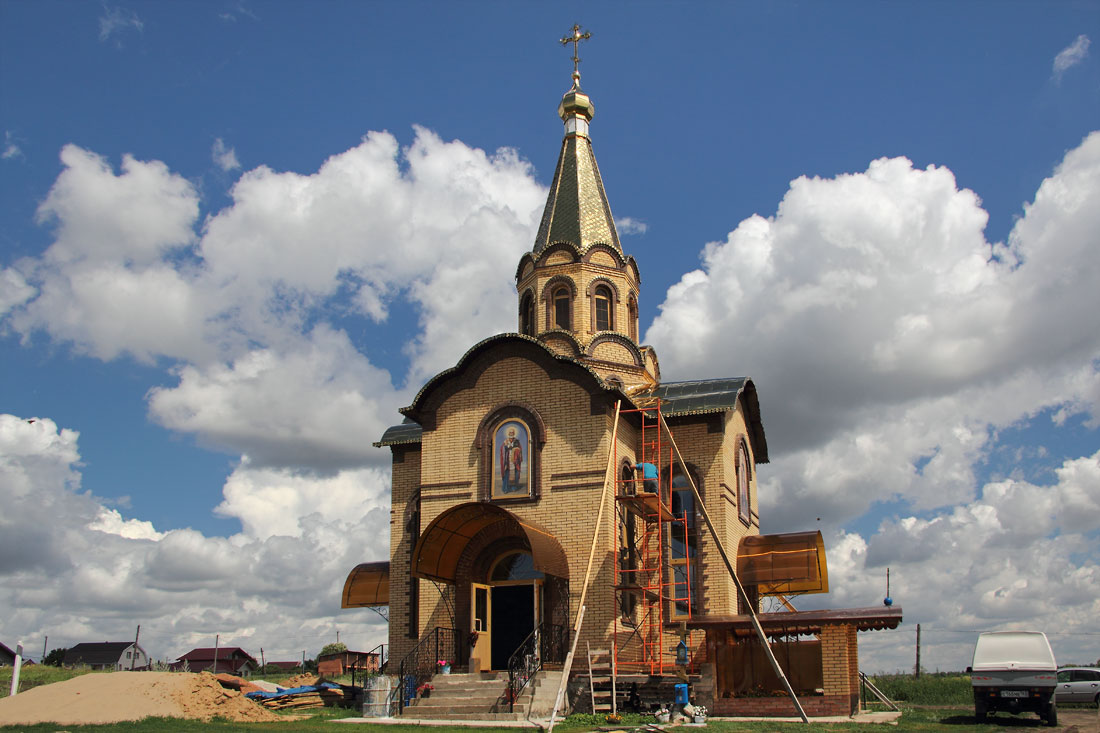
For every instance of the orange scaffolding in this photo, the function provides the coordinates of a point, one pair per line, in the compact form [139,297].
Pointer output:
[645,583]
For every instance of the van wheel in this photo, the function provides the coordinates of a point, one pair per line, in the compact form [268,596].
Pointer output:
[1052,715]
[979,713]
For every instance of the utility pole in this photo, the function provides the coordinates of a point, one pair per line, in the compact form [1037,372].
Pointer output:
[263,662]
[133,657]
[216,639]
[916,670]
[44,642]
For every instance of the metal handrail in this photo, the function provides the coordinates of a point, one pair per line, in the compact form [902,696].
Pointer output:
[380,650]
[418,666]
[357,666]
[546,643]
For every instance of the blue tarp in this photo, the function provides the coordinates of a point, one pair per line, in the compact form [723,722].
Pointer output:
[260,695]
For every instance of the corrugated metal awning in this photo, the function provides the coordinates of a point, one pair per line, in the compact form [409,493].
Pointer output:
[368,584]
[441,544]
[783,564]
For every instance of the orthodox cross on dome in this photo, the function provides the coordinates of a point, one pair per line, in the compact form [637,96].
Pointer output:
[576,38]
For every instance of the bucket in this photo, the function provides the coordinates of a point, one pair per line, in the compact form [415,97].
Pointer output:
[681,694]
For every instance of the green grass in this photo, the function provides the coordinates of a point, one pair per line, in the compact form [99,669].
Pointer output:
[930,689]
[37,675]
[912,721]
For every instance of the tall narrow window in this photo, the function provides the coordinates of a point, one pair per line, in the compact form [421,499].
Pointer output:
[628,548]
[744,509]
[603,309]
[412,528]
[527,315]
[683,545]
[562,316]
[632,314]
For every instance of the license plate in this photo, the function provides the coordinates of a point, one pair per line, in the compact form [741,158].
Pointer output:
[1013,693]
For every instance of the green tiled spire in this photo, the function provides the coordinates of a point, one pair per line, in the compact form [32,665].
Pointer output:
[577,211]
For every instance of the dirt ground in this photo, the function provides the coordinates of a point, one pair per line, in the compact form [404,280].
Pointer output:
[1070,720]
[119,696]
[1081,720]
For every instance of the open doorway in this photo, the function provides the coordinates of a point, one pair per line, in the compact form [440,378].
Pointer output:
[513,619]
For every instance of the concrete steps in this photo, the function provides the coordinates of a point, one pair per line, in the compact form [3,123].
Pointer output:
[477,697]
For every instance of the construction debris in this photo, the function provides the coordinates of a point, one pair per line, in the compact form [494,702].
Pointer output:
[322,694]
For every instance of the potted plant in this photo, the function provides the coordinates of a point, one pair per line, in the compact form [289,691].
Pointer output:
[700,714]
[444,666]
[662,715]
[425,690]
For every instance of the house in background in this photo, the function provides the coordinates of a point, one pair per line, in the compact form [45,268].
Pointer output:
[228,659]
[286,666]
[111,655]
[340,662]
[7,656]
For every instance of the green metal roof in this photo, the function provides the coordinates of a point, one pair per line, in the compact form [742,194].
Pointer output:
[406,433]
[705,396]
[699,397]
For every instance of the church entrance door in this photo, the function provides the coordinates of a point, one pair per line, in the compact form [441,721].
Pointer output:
[513,619]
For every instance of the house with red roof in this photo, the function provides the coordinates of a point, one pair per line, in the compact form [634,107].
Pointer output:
[228,659]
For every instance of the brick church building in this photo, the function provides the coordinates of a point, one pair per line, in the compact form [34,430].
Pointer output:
[517,465]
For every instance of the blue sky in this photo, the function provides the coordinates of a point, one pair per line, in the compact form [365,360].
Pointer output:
[235,239]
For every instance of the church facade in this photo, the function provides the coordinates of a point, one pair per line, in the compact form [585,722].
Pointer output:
[516,485]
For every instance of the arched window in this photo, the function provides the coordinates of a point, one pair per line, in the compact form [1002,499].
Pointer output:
[603,313]
[563,317]
[527,314]
[516,565]
[744,508]
[683,550]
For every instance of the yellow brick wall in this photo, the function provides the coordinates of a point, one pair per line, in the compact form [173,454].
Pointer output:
[571,472]
[405,484]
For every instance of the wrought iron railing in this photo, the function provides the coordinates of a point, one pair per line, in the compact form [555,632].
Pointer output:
[545,645]
[364,665]
[382,652]
[418,666]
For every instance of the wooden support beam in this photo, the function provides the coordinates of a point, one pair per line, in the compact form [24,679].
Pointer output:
[733,573]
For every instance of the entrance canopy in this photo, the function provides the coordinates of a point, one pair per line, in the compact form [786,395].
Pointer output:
[441,544]
[783,564]
[367,585]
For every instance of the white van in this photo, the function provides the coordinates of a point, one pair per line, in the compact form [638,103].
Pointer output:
[1014,671]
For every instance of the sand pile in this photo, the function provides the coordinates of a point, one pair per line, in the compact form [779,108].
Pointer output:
[118,696]
[301,680]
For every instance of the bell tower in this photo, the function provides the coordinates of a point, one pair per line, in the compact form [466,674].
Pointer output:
[578,291]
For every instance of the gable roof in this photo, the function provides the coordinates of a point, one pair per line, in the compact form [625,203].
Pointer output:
[103,652]
[7,656]
[204,654]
